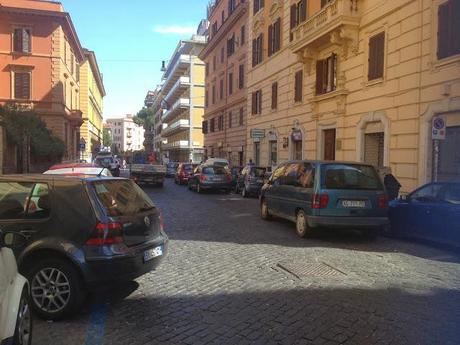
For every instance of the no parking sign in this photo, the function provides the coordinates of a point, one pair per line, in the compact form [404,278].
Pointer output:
[438,131]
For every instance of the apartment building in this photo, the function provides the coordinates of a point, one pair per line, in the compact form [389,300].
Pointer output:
[225,57]
[40,58]
[126,135]
[92,92]
[356,80]
[181,103]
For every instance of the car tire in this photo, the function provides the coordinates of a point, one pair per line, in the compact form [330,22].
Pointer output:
[301,224]
[24,324]
[48,276]
[264,212]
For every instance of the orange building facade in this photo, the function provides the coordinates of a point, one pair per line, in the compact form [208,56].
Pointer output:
[225,55]
[40,55]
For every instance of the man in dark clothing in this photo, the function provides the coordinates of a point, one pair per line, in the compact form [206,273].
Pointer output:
[392,186]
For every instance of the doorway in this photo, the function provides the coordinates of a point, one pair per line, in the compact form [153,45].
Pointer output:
[374,144]
[329,144]
[449,155]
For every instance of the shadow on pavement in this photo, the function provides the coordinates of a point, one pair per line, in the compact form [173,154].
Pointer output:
[298,316]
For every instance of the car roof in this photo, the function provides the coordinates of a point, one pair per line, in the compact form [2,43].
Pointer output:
[73,165]
[52,178]
[319,161]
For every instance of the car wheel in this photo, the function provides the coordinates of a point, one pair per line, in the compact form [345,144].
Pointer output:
[23,331]
[264,213]
[56,289]
[302,227]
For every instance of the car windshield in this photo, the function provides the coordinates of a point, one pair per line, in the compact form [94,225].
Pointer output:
[104,160]
[122,197]
[215,170]
[258,172]
[350,176]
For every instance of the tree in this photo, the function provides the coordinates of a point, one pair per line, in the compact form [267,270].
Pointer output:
[107,139]
[144,118]
[29,133]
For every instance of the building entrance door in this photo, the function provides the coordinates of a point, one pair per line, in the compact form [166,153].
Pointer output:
[374,149]
[449,155]
[329,144]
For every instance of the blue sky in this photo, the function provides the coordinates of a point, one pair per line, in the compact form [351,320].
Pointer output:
[130,39]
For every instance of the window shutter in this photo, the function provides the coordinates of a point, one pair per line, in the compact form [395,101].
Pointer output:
[274,95]
[26,40]
[455,27]
[303,10]
[254,52]
[270,39]
[254,99]
[260,102]
[255,7]
[334,72]
[21,85]
[323,3]
[261,48]
[293,16]
[17,37]
[443,31]
[319,76]
[298,86]
[262,3]
[278,35]
[380,55]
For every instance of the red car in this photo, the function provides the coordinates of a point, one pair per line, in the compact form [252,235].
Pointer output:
[184,172]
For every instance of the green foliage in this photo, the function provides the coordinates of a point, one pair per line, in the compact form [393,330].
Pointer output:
[144,117]
[24,125]
[107,139]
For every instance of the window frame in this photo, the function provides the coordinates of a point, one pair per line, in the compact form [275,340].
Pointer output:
[451,50]
[257,102]
[13,84]
[21,27]
[298,86]
[376,58]
[323,68]
[274,103]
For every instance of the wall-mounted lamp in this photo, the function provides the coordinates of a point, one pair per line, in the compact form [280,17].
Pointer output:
[163,66]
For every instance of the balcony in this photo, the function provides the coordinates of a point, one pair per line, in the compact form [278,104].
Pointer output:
[181,145]
[182,84]
[336,23]
[177,108]
[178,69]
[175,128]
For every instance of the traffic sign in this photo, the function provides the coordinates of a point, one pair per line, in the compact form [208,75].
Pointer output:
[438,131]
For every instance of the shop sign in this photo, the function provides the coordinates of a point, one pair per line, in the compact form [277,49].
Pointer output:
[257,133]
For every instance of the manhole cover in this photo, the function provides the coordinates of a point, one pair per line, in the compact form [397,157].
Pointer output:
[310,269]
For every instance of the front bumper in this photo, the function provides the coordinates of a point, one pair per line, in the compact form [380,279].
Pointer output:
[347,222]
[123,268]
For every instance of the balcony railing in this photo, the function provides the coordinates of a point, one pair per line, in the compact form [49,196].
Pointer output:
[179,87]
[180,66]
[176,127]
[180,105]
[181,144]
[332,16]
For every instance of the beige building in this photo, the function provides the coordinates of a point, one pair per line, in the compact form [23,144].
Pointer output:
[182,94]
[91,94]
[225,55]
[126,135]
[356,80]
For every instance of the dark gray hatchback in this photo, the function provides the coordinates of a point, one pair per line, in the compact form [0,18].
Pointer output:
[76,233]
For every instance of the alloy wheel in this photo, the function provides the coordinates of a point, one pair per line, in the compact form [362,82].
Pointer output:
[301,224]
[50,290]
[24,322]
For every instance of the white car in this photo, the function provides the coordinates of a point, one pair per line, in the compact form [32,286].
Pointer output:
[218,161]
[15,314]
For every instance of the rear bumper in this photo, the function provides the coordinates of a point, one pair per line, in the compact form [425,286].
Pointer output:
[148,178]
[347,222]
[216,186]
[125,268]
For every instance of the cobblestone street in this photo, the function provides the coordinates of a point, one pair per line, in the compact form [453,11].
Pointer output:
[231,278]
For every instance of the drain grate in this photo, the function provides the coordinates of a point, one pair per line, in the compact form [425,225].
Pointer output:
[310,269]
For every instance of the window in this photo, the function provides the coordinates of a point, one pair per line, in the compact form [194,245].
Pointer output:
[220,123]
[376,56]
[448,26]
[231,45]
[231,6]
[241,122]
[273,153]
[325,2]
[230,83]
[298,15]
[22,85]
[213,125]
[275,95]
[326,75]
[214,28]
[223,17]
[257,102]
[206,100]
[257,50]
[221,89]
[38,206]
[350,176]
[213,94]
[257,154]
[274,37]
[13,199]
[243,35]
[21,40]
[204,126]
[222,55]
[241,77]
[258,5]
[298,86]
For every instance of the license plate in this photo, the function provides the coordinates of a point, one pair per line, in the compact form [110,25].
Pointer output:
[153,253]
[353,204]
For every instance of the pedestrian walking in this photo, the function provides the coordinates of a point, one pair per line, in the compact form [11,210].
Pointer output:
[392,185]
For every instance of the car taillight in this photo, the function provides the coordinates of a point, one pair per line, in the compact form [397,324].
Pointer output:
[203,178]
[320,201]
[106,234]
[383,201]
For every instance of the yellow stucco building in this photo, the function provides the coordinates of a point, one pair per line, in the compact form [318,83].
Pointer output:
[356,80]
[92,93]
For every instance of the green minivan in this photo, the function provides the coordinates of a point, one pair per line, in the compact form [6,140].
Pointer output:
[326,194]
